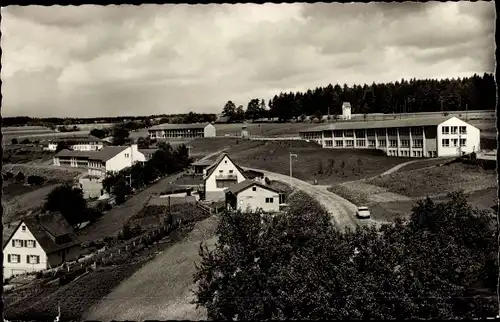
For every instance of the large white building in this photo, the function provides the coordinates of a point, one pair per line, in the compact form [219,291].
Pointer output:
[77,143]
[411,137]
[38,243]
[222,174]
[182,131]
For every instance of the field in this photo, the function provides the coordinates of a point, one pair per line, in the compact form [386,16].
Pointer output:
[25,154]
[437,180]
[313,162]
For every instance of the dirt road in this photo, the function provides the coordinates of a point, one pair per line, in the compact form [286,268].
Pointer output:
[343,212]
[160,290]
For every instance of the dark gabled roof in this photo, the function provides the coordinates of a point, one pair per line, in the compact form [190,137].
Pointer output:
[148,151]
[212,168]
[8,230]
[244,185]
[104,154]
[45,227]
[168,126]
[79,138]
[408,122]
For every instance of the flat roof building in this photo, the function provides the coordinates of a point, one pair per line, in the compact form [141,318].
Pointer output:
[411,137]
[182,131]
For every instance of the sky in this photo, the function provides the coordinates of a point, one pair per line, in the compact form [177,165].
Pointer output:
[91,61]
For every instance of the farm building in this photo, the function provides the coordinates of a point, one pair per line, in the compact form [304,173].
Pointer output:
[182,131]
[252,195]
[222,174]
[38,243]
[77,143]
[411,137]
[200,165]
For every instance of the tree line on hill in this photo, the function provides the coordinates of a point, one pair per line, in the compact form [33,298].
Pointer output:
[134,122]
[440,264]
[405,96]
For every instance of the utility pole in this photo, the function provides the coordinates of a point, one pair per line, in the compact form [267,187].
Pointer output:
[189,150]
[328,118]
[295,156]
[466,115]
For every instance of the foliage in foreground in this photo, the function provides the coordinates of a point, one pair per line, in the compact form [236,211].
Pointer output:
[297,266]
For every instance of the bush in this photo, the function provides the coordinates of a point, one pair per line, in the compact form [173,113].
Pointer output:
[35,180]
[25,141]
[103,206]
[20,176]
[14,141]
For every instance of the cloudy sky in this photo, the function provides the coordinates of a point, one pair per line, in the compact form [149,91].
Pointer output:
[123,60]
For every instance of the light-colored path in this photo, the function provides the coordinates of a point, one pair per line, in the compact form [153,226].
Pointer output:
[160,290]
[399,166]
[343,212]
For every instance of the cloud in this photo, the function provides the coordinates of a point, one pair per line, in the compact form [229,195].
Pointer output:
[152,59]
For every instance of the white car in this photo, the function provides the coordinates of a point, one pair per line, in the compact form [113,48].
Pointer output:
[363,213]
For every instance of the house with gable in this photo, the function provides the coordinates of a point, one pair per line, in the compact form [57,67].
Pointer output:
[222,174]
[37,243]
[253,195]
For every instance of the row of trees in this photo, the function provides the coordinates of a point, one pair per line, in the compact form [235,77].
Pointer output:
[165,161]
[442,263]
[406,96]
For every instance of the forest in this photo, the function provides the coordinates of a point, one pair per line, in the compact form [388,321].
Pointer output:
[405,96]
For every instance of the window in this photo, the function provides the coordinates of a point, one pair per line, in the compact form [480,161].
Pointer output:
[392,132]
[393,143]
[381,143]
[454,129]
[381,132]
[445,130]
[349,142]
[454,142]
[14,258]
[17,243]
[230,171]
[32,259]
[445,142]
[254,188]
[348,133]
[30,243]
[463,130]
[337,133]
[327,134]
[417,143]
[370,132]
[269,200]
[463,142]
[416,131]
[371,143]
[404,131]
[405,143]
[23,227]
[225,161]
[360,133]
[127,155]
[360,143]
[220,171]
[339,143]
[329,143]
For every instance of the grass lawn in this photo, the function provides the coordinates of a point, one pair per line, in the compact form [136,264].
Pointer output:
[189,179]
[23,154]
[426,163]
[205,146]
[264,129]
[313,162]
[437,180]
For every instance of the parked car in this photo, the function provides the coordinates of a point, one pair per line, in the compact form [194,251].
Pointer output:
[363,213]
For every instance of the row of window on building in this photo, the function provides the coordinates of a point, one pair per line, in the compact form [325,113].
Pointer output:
[417,143]
[176,134]
[404,131]
[30,259]
[406,153]
[454,142]
[18,243]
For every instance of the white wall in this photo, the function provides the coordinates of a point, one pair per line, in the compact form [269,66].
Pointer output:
[472,138]
[120,161]
[210,183]
[253,200]
[10,269]
[91,146]
[137,156]
[209,131]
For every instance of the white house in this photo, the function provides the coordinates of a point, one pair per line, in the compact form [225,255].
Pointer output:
[182,131]
[221,175]
[410,137]
[252,195]
[346,111]
[77,143]
[38,243]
